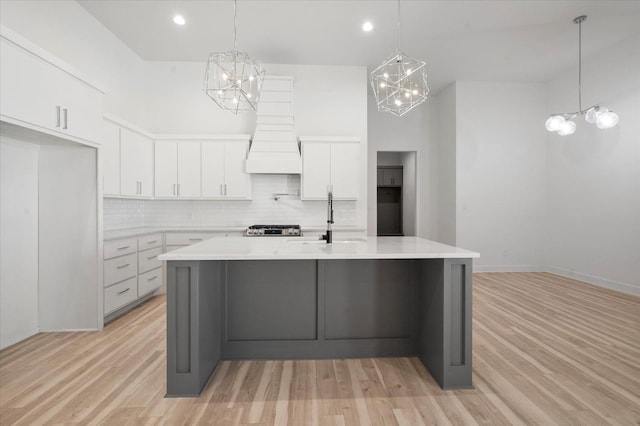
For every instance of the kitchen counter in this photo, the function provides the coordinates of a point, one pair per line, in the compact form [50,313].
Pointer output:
[300,298]
[272,248]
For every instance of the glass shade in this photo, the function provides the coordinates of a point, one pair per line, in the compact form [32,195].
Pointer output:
[567,128]
[591,116]
[233,80]
[554,123]
[607,120]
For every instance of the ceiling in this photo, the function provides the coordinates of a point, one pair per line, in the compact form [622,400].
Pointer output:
[504,40]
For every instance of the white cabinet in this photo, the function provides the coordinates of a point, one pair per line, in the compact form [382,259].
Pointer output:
[330,164]
[110,153]
[41,92]
[177,169]
[136,164]
[131,271]
[224,173]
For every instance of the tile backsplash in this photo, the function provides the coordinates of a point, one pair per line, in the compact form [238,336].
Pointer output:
[262,209]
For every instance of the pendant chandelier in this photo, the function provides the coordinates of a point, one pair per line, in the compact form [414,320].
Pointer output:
[400,82]
[232,79]
[563,123]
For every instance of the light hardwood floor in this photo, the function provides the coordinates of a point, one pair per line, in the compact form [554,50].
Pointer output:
[547,350]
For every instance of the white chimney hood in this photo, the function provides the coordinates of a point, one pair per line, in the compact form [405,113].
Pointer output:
[274,148]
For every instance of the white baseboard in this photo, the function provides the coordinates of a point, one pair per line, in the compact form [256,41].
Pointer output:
[600,282]
[508,268]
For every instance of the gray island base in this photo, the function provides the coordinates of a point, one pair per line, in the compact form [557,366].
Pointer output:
[346,303]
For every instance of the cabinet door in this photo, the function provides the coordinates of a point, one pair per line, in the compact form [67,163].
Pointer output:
[28,87]
[345,170]
[189,178]
[212,169]
[237,180]
[110,152]
[136,164]
[81,104]
[316,170]
[166,168]
[393,177]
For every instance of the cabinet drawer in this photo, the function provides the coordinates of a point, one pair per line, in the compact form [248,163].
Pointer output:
[149,241]
[120,268]
[148,259]
[120,294]
[120,247]
[186,238]
[149,281]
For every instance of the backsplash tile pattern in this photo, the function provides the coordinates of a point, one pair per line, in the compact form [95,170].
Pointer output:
[262,209]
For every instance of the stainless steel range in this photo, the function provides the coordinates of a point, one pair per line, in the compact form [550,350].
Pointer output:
[274,231]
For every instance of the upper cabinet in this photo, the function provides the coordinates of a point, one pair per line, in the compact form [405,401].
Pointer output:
[177,169]
[127,161]
[330,164]
[39,91]
[224,173]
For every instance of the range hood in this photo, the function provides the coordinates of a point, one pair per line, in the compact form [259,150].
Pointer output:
[274,148]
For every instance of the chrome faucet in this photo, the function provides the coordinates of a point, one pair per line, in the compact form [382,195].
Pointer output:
[328,237]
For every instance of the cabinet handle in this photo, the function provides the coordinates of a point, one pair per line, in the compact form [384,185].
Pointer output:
[225,189]
[152,278]
[140,187]
[195,239]
[152,242]
[221,193]
[151,257]
[123,291]
[58,116]
[174,189]
[64,118]
[178,190]
[124,266]
[123,248]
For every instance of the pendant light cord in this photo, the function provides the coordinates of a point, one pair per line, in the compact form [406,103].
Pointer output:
[398,25]
[235,7]
[580,65]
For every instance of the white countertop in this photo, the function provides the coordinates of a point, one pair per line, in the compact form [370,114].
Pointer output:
[266,248]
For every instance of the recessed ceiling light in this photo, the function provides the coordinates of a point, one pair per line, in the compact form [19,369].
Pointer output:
[179,20]
[367,26]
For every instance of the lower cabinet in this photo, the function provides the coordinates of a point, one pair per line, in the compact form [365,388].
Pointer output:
[131,270]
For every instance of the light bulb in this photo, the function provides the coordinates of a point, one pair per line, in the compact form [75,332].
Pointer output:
[367,26]
[224,76]
[239,81]
[179,20]
[383,85]
[567,128]
[607,120]
[249,95]
[554,122]
[251,78]
[235,100]
[385,75]
[219,92]
[407,94]
[415,91]
[409,71]
[398,102]
[592,114]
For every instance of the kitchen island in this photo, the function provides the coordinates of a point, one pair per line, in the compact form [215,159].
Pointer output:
[293,298]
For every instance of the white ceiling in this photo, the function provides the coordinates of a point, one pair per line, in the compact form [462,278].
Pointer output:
[505,40]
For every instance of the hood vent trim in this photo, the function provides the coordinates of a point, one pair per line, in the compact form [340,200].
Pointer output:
[275,148]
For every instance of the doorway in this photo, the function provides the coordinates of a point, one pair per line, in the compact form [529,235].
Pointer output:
[396,193]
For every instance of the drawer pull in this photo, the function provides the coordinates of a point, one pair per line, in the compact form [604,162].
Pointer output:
[195,239]
[152,242]
[151,257]
[123,291]
[152,278]
[123,248]
[124,266]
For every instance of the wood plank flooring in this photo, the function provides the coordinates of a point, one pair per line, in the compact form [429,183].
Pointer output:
[547,350]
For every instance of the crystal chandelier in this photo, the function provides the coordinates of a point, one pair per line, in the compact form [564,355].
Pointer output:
[400,82]
[232,79]
[563,123]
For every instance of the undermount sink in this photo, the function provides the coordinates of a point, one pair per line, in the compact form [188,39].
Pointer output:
[341,241]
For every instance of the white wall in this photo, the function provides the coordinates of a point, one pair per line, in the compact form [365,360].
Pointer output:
[413,132]
[409,200]
[68,31]
[18,241]
[594,175]
[444,164]
[500,173]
